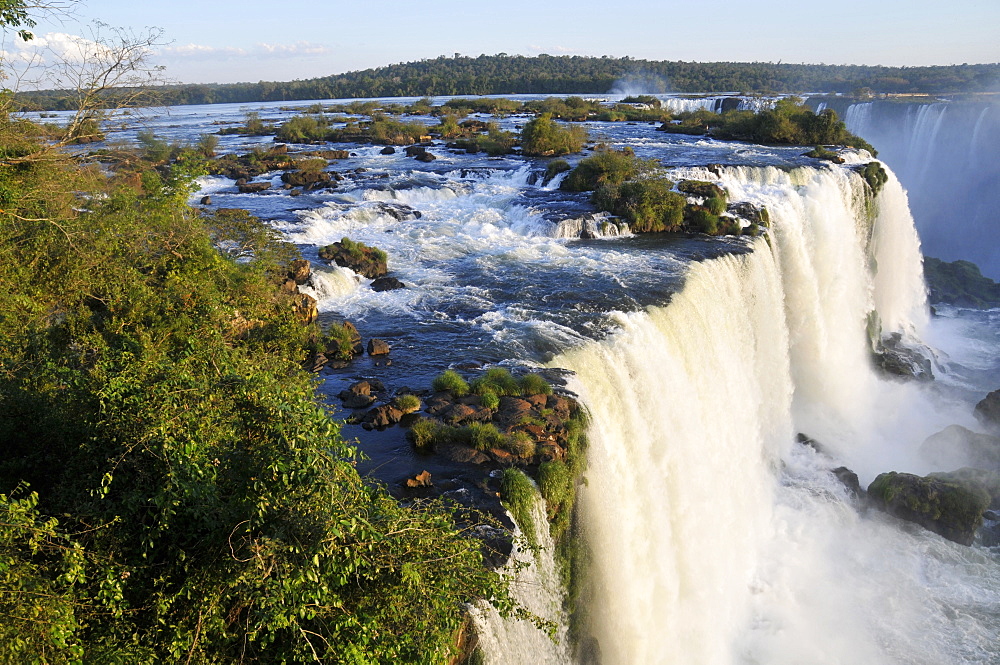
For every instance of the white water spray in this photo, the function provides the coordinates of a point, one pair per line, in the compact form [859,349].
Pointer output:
[715,539]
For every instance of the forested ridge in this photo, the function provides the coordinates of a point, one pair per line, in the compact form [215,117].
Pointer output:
[545,74]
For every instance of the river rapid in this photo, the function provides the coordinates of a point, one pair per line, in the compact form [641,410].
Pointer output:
[714,537]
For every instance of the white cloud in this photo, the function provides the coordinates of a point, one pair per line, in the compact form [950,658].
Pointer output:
[260,50]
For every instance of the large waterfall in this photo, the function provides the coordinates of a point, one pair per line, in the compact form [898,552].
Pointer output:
[944,154]
[717,539]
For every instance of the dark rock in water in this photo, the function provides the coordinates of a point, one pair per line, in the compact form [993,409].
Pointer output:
[896,359]
[949,509]
[206,200]
[387,284]
[988,481]
[357,395]
[398,211]
[305,178]
[422,479]
[378,347]
[381,416]
[253,187]
[849,479]
[956,446]
[419,153]
[988,410]
[333,340]
[807,440]
[752,213]
[388,150]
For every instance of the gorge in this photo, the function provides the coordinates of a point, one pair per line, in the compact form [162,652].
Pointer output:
[711,535]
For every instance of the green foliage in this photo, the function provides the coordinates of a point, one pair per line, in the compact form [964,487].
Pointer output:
[554,168]
[152,399]
[520,444]
[424,434]
[484,436]
[606,167]
[303,129]
[490,400]
[543,137]
[534,384]
[360,250]
[498,381]
[875,176]
[518,495]
[701,219]
[407,403]
[14,14]
[451,381]
[393,132]
[648,204]
[960,283]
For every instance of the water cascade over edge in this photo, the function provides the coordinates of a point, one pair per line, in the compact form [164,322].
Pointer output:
[714,538]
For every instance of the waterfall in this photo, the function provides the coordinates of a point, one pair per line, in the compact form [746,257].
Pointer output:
[942,155]
[715,539]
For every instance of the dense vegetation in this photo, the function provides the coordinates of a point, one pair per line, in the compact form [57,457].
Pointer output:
[790,122]
[960,283]
[171,490]
[514,74]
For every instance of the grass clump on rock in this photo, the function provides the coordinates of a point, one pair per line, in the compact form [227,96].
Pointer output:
[518,495]
[498,381]
[451,381]
[534,384]
[407,403]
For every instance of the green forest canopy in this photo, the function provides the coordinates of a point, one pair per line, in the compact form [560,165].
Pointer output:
[545,74]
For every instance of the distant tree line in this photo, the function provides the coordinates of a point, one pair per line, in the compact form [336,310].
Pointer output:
[545,74]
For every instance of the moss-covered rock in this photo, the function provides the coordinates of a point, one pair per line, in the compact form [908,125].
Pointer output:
[975,478]
[702,189]
[960,283]
[362,259]
[950,509]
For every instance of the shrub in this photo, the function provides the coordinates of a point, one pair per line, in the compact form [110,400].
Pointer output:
[407,403]
[542,137]
[554,168]
[534,384]
[484,436]
[498,381]
[452,382]
[518,494]
[875,176]
[520,444]
[649,204]
[606,167]
[424,434]
[702,220]
[490,400]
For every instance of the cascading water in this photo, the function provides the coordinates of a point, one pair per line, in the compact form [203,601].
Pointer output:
[941,152]
[714,538]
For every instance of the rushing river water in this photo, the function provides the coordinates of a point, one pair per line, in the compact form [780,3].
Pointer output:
[714,537]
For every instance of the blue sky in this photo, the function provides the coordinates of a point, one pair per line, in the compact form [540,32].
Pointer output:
[249,40]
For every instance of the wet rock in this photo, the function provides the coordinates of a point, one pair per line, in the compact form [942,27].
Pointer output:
[988,410]
[701,189]
[398,211]
[949,509]
[253,187]
[460,414]
[206,200]
[896,359]
[388,150]
[307,179]
[956,446]
[462,454]
[989,481]
[422,479]
[361,259]
[387,284]
[381,416]
[849,479]
[378,347]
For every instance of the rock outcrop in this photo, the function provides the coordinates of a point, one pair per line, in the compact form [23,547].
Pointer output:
[950,509]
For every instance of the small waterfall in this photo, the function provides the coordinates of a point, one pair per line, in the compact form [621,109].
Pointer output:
[715,538]
[537,587]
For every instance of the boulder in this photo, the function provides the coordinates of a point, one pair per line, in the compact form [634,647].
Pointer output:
[206,200]
[701,189]
[381,416]
[949,509]
[988,481]
[956,446]
[304,307]
[387,284]
[422,479]
[896,359]
[849,479]
[253,187]
[988,410]
[361,259]
[419,153]
[299,271]
[307,179]
[378,347]
[388,150]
